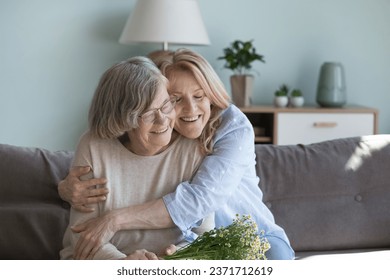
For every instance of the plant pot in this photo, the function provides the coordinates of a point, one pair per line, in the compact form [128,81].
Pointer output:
[242,89]
[281,101]
[297,101]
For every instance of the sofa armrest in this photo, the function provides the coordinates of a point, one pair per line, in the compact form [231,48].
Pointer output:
[33,216]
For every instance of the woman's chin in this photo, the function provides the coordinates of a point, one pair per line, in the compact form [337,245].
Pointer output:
[164,137]
[190,130]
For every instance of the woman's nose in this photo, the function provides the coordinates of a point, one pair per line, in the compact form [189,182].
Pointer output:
[160,117]
[189,105]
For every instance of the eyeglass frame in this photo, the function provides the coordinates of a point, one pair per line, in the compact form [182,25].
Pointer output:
[172,100]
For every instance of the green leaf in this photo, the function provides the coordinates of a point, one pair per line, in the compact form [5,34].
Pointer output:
[240,55]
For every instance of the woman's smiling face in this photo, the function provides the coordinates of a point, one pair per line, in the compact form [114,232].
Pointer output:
[193,107]
[154,134]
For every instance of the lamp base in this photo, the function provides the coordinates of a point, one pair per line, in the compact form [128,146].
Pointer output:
[165,46]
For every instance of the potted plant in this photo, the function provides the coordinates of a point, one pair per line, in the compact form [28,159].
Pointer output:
[239,57]
[297,99]
[281,96]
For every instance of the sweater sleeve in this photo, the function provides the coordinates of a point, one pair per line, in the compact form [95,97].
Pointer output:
[218,176]
[83,157]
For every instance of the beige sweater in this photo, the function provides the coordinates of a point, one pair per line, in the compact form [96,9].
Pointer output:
[134,179]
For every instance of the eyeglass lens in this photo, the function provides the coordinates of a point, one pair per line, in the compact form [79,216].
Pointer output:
[166,108]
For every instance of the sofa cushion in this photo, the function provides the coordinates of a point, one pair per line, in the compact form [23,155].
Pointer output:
[331,195]
[33,216]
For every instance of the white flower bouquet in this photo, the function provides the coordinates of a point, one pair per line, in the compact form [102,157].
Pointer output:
[238,241]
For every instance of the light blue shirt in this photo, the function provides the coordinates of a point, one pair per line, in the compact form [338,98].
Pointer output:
[226,183]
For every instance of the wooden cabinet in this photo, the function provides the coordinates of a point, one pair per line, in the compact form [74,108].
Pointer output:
[284,126]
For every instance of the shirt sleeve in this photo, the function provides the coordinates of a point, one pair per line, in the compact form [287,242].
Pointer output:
[219,174]
[83,158]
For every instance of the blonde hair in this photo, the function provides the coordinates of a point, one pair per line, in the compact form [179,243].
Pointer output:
[186,60]
[124,92]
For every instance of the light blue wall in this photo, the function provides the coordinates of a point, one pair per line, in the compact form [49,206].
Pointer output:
[52,53]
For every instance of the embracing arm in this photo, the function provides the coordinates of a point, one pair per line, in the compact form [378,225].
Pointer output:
[219,175]
[150,215]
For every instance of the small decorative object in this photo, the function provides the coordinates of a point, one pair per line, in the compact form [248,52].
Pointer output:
[238,241]
[281,96]
[239,57]
[331,88]
[297,99]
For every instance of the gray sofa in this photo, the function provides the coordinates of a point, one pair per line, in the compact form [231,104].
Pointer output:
[331,197]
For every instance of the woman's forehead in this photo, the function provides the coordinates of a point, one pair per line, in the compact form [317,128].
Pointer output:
[160,97]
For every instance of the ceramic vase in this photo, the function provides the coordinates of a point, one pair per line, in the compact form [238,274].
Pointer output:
[331,87]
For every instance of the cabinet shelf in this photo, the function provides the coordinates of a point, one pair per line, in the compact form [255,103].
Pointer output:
[263,139]
[285,126]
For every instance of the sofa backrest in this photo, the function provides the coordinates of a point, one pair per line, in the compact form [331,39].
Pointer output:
[33,216]
[329,195]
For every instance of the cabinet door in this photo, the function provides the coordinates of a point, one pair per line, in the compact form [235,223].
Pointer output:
[306,128]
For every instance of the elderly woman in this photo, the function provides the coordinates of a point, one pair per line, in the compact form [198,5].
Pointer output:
[131,142]
[226,181]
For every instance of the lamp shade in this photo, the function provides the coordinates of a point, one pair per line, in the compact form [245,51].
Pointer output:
[165,21]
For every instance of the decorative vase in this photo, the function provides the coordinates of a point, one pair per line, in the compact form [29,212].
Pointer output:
[297,101]
[242,89]
[281,101]
[331,88]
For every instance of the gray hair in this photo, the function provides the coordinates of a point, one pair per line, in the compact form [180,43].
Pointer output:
[124,92]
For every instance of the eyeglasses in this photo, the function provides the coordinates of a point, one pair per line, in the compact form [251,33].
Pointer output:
[150,115]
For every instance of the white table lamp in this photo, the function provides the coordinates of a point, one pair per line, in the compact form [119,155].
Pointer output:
[165,21]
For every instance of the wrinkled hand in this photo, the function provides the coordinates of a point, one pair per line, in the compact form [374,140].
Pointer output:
[94,233]
[80,194]
[142,255]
